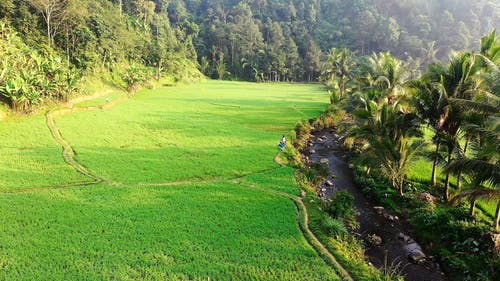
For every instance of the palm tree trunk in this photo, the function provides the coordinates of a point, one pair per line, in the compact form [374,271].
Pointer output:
[434,164]
[447,182]
[497,216]
[49,40]
[473,207]
[342,94]
[459,182]
[459,176]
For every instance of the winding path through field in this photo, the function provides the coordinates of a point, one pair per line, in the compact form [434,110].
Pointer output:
[68,155]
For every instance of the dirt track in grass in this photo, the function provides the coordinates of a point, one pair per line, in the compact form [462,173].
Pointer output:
[68,155]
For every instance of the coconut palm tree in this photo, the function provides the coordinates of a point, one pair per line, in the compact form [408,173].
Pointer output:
[430,105]
[386,74]
[483,167]
[445,88]
[338,70]
[386,133]
[490,47]
[484,99]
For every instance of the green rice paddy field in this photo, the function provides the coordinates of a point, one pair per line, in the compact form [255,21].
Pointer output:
[169,207]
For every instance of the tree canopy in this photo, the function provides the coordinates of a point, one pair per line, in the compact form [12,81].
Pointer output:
[257,40]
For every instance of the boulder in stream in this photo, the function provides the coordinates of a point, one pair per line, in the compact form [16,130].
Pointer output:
[379,210]
[416,256]
[374,240]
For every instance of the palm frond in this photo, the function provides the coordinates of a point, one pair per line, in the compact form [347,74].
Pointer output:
[480,171]
[474,129]
[474,106]
[476,194]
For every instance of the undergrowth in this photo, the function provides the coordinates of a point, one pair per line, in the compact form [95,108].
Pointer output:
[331,220]
[461,243]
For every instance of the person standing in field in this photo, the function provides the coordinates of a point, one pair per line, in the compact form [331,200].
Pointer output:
[282,143]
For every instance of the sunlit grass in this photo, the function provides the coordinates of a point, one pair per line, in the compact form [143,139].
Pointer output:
[102,100]
[29,157]
[204,131]
[180,227]
[191,232]
[279,179]
[421,171]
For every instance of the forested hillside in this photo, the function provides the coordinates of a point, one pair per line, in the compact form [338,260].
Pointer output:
[256,40]
[100,33]
[286,40]
[46,46]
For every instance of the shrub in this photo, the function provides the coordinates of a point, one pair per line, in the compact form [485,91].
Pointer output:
[28,77]
[312,176]
[333,226]
[302,128]
[316,174]
[134,76]
[341,205]
[321,170]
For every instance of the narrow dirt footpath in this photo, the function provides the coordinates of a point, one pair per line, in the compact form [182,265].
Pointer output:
[68,152]
[396,242]
[69,158]
[304,226]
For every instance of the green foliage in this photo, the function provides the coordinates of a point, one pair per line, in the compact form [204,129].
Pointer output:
[333,226]
[303,128]
[331,117]
[341,205]
[134,76]
[386,133]
[312,176]
[95,38]
[316,173]
[28,78]
[460,241]
[256,40]
[338,73]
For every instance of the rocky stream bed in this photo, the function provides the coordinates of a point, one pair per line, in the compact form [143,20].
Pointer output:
[388,236]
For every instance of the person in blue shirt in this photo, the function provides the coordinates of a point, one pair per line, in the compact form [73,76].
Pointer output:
[282,143]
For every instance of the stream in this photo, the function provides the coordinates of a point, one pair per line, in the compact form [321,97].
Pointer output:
[392,236]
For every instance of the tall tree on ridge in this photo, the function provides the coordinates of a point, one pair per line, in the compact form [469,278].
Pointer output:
[53,12]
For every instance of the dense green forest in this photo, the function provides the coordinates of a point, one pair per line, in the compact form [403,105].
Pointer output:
[256,40]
